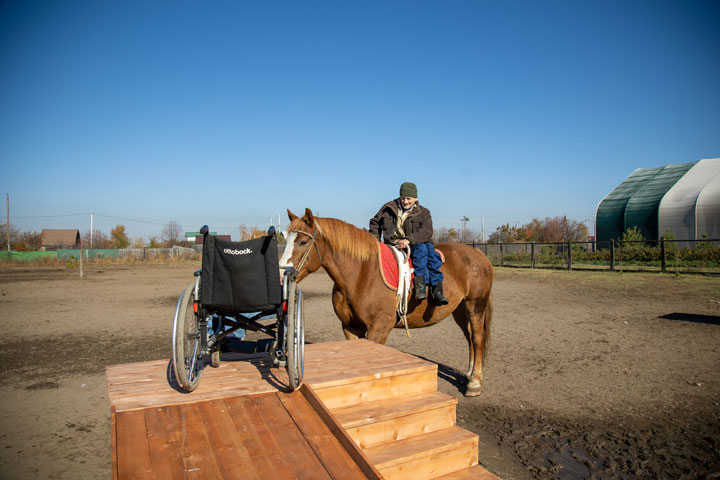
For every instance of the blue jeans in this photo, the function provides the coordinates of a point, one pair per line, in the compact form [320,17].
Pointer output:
[427,262]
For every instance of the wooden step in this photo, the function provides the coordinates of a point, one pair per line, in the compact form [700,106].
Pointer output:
[426,456]
[475,472]
[394,419]
[398,384]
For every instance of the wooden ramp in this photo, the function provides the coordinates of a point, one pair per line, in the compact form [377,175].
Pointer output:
[365,411]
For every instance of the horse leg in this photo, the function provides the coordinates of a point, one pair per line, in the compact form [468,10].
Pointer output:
[460,316]
[353,333]
[381,326]
[342,310]
[480,316]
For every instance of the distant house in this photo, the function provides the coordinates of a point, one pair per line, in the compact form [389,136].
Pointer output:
[52,239]
[191,236]
[199,238]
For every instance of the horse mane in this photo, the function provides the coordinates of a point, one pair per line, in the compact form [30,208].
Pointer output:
[343,237]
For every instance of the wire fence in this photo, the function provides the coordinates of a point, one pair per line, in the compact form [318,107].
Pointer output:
[679,256]
[93,254]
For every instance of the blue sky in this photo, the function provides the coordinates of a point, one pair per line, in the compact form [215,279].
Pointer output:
[229,112]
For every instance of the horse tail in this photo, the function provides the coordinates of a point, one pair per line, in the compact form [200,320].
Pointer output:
[487,321]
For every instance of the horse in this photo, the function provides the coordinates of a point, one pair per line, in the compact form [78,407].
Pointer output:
[366,307]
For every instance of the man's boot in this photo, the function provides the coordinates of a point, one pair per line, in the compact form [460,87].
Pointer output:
[420,287]
[437,294]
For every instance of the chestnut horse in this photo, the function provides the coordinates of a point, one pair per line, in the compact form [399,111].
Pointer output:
[366,306]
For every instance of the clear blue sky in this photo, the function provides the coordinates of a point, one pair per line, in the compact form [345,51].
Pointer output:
[229,112]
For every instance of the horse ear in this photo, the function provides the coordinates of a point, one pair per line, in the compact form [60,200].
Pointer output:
[291,215]
[309,217]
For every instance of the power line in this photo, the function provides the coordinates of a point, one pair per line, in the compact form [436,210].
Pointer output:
[53,216]
[125,219]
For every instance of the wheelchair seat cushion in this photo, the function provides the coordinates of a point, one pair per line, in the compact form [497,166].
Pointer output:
[240,276]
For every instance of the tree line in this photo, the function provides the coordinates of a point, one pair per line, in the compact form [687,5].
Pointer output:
[550,229]
[172,234]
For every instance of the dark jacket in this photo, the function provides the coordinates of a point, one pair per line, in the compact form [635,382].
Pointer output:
[418,225]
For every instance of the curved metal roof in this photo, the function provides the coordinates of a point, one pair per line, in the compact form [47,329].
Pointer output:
[707,210]
[678,212]
[684,198]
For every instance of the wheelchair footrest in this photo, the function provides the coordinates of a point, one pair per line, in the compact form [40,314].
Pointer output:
[236,345]
[264,345]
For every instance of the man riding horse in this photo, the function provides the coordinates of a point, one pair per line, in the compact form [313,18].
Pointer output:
[404,223]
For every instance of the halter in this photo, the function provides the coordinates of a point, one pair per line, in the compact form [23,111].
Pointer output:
[306,253]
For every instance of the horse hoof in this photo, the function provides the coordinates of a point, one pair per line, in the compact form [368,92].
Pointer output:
[473,389]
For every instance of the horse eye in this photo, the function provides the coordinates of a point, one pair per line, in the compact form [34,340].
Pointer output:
[303,242]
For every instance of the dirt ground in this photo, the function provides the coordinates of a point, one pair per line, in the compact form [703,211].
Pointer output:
[590,375]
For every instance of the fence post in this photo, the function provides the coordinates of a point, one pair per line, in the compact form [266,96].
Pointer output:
[501,254]
[81,263]
[569,256]
[612,254]
[662,255]
[532,254]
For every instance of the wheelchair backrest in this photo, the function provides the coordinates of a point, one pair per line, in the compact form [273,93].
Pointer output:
[240,276]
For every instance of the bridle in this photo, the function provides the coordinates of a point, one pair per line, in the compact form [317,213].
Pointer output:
[306,253]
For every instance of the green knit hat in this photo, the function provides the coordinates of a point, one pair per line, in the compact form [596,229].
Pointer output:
[408,189]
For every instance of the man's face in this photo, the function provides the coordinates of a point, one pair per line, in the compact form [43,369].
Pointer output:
[407,202]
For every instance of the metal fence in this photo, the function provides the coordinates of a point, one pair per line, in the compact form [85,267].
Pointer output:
[682,256]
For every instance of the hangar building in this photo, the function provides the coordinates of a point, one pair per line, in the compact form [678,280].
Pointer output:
[683,198]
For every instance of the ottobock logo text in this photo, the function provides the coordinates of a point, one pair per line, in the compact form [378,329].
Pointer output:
[231,251]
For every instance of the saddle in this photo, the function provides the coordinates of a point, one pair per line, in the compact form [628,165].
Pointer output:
[397,274]
[390,260]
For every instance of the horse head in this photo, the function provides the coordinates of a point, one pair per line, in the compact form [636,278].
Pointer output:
[301,249]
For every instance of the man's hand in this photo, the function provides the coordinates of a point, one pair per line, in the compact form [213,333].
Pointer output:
[403,244]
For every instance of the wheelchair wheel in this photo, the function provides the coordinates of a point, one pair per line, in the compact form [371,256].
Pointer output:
[295,337]
[187,354]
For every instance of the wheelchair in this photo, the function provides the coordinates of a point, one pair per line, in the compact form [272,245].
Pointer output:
[238,287]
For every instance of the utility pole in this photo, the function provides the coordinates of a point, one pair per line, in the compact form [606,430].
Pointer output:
[482,226]
[464,221]
[7,227]
[91,229]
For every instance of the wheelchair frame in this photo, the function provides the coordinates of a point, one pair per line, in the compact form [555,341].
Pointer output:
[193,342]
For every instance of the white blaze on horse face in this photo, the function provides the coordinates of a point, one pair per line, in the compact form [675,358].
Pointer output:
[289,247]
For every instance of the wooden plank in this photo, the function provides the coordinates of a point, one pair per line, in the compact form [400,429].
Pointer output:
[340,434]
[231,456]
[257,438]
[113,444]
[419,447]
[400,428]
[359,415]
[475,472]
[165,452]
[426,456]
[337,461]
[434,464]
[193,442]
[290,441]
[133,451]
[380,389]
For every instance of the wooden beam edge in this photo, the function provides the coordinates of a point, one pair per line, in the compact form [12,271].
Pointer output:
[340,434]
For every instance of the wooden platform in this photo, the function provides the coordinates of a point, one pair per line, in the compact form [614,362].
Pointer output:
[365,411]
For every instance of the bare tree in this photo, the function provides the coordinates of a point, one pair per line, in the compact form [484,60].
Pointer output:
[100,239]
[172,234]
[244,235]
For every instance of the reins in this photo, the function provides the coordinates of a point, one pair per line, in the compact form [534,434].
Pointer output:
[306,253]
